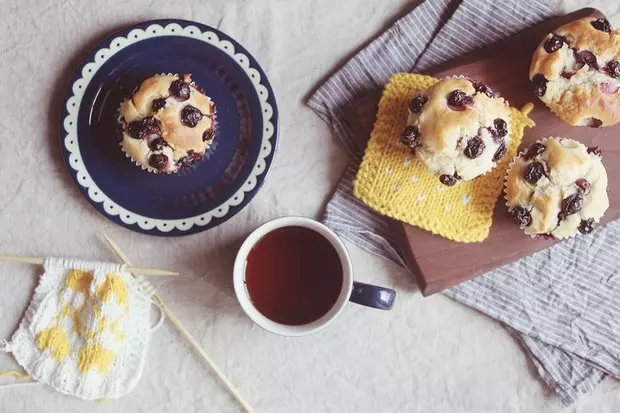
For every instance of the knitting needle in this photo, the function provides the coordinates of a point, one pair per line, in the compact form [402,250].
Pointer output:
[40,261]
[177,323]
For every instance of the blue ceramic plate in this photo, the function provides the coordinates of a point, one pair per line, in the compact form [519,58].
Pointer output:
[212,191]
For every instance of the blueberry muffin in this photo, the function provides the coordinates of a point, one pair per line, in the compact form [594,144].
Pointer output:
[558,188]
[458,128]
[168,124]
[576,72]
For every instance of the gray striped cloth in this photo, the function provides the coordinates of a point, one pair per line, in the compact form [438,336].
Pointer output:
[563,303]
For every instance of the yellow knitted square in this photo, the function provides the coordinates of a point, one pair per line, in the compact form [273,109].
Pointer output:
[394,183]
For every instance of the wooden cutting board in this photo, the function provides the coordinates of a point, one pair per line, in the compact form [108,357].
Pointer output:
[440,263]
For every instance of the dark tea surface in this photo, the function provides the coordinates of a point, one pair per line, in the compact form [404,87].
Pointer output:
[293,275]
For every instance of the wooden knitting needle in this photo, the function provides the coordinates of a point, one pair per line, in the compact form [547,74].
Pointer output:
[40,261]
[185,333]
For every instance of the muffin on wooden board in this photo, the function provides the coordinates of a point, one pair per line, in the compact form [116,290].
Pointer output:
[558,187]
[458,128]
[167,124]
[575,71]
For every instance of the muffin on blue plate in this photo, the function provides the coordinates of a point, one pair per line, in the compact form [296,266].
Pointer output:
[167,125]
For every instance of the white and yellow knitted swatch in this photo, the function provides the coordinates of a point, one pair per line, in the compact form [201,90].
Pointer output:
[86,330]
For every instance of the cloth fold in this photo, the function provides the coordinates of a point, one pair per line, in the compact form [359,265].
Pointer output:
[563,303]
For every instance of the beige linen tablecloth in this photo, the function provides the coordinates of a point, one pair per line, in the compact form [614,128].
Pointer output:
[426,355]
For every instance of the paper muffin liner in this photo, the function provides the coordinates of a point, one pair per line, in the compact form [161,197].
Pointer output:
[509,169]
[509,122]
[208,151]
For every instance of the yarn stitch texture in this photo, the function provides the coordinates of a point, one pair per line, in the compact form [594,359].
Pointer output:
[86,330]
[394,183]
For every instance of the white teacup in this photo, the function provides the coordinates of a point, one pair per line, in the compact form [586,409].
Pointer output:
[365,294]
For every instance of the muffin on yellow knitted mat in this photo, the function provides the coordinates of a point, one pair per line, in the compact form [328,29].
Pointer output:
[393,182]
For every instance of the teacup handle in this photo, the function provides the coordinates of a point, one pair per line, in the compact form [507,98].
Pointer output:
[372,296]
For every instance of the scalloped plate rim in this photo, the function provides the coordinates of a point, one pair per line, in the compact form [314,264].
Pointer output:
[269,137]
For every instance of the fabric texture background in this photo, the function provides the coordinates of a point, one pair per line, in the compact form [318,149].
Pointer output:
[564,302]
[426,355]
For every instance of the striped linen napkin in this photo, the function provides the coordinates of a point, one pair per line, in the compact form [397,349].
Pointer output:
[563,303]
